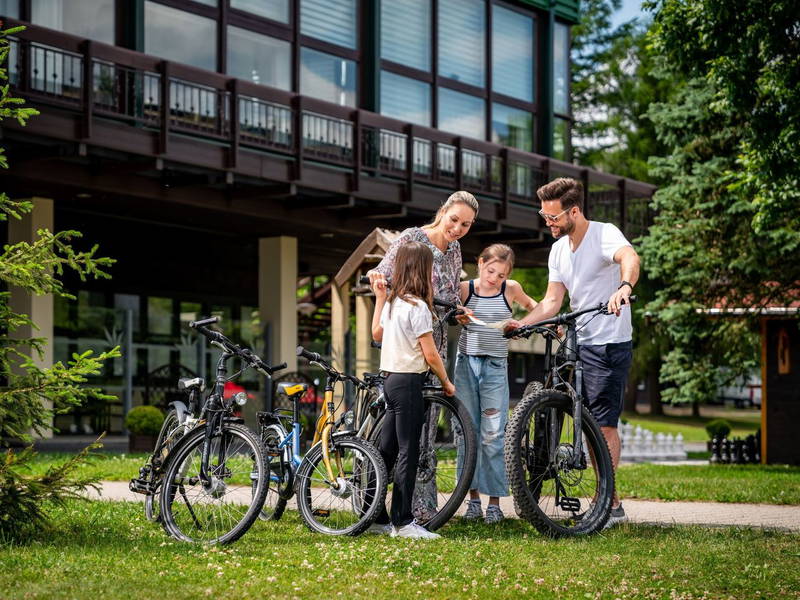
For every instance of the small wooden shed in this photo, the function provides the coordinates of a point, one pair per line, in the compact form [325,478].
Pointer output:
[365,257]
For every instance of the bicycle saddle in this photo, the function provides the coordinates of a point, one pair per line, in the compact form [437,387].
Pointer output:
[291,389]
[189,383]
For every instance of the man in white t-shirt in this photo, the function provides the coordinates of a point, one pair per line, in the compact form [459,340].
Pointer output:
[594,263]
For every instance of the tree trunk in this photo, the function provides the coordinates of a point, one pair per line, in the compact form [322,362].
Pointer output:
[654,392]
[629,397]
[696,409]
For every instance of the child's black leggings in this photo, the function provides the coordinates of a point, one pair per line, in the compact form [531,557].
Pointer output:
[399,443]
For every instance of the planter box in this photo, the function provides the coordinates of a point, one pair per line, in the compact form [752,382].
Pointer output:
[138,442]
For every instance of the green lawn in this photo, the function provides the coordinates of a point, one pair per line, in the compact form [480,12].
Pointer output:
[693,428]
[108,550]
[767,484]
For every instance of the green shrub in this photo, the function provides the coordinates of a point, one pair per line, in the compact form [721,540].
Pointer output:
[144,420]
[718,427]
[25,497]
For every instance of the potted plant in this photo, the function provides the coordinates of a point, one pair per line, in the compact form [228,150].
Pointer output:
[143,423]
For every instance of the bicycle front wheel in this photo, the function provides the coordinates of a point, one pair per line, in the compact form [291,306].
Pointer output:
[279,487]
[561,491]
[448,451]
[221,508]
[348,505]
[160,452]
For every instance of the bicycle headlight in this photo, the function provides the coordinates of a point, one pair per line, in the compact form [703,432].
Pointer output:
[240,398]
[348,419]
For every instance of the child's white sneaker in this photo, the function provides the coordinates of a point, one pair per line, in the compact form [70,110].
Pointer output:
[413,530]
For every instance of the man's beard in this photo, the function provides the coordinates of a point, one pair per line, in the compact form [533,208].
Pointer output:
[568,228]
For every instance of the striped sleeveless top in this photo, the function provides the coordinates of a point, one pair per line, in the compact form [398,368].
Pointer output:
[479,340]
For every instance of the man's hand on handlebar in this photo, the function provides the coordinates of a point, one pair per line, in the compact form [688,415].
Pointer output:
[378,283]
[511,325]
[618,298]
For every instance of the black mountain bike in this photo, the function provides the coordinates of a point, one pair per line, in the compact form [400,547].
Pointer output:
[215,477]
[448,445]
[557,460]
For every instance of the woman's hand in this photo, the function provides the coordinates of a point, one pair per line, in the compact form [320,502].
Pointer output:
[448,388]
[378,283]
[463,318]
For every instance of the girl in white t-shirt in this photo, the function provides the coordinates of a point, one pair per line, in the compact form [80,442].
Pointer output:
[403,322]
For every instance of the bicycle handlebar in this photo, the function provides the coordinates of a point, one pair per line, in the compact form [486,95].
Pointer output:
[316,358]
[244,353]
[560,319]
[436,301]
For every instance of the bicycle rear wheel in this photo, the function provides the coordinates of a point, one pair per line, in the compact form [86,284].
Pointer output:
[279,487]
[447,457]
[160,452]
[349,505]
[559,498]
[222,509]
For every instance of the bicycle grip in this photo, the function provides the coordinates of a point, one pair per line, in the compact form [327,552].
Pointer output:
[312,356]
[279,367]
[203,322]
[363,280]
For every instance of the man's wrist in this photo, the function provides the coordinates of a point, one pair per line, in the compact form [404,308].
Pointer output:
[628,283]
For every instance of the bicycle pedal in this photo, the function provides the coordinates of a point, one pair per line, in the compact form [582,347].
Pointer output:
[569,504]
[321,512]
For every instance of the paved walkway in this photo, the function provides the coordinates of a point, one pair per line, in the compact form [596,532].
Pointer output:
[714,514]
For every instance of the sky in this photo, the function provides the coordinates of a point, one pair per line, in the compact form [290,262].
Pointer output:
[630,9]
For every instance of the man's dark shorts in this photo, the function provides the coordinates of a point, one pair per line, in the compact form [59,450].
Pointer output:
[605,371]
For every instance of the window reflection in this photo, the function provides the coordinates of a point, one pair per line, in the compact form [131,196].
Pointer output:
[405,99]
[333,21]
[180,36]
[258,58]
[561,142]
[512,53]
[561,69]
[462,35]
[327,77]
[277,10]
[461,114]
[92,19]
[406,33]
[9,8]
[512,127]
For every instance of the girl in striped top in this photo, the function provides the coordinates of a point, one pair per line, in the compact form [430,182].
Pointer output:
[481,373]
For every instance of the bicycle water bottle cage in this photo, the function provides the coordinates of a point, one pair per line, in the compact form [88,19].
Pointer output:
[186,384]
[292,389]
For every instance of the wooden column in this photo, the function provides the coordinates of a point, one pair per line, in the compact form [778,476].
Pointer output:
[340,323]
[364,308]
[38,308]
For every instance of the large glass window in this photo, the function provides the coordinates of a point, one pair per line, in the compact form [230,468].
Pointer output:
[9,8]
[327,77]
[180,36]
[462,114]
[561,145]
[277,10]
[462,40]
[512,127]
[512,53]
[333,21]
[561,69]
[260,59]
[406,33]
[405,99]
[92,19]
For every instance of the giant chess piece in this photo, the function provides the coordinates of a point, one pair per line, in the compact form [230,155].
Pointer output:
[757,455]
[726,452]
[716,449]
[748,448]
[681,451]
[737,457]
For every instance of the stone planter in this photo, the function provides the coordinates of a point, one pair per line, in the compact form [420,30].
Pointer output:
[141,442]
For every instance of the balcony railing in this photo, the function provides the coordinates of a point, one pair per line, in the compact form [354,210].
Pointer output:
[94,79]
